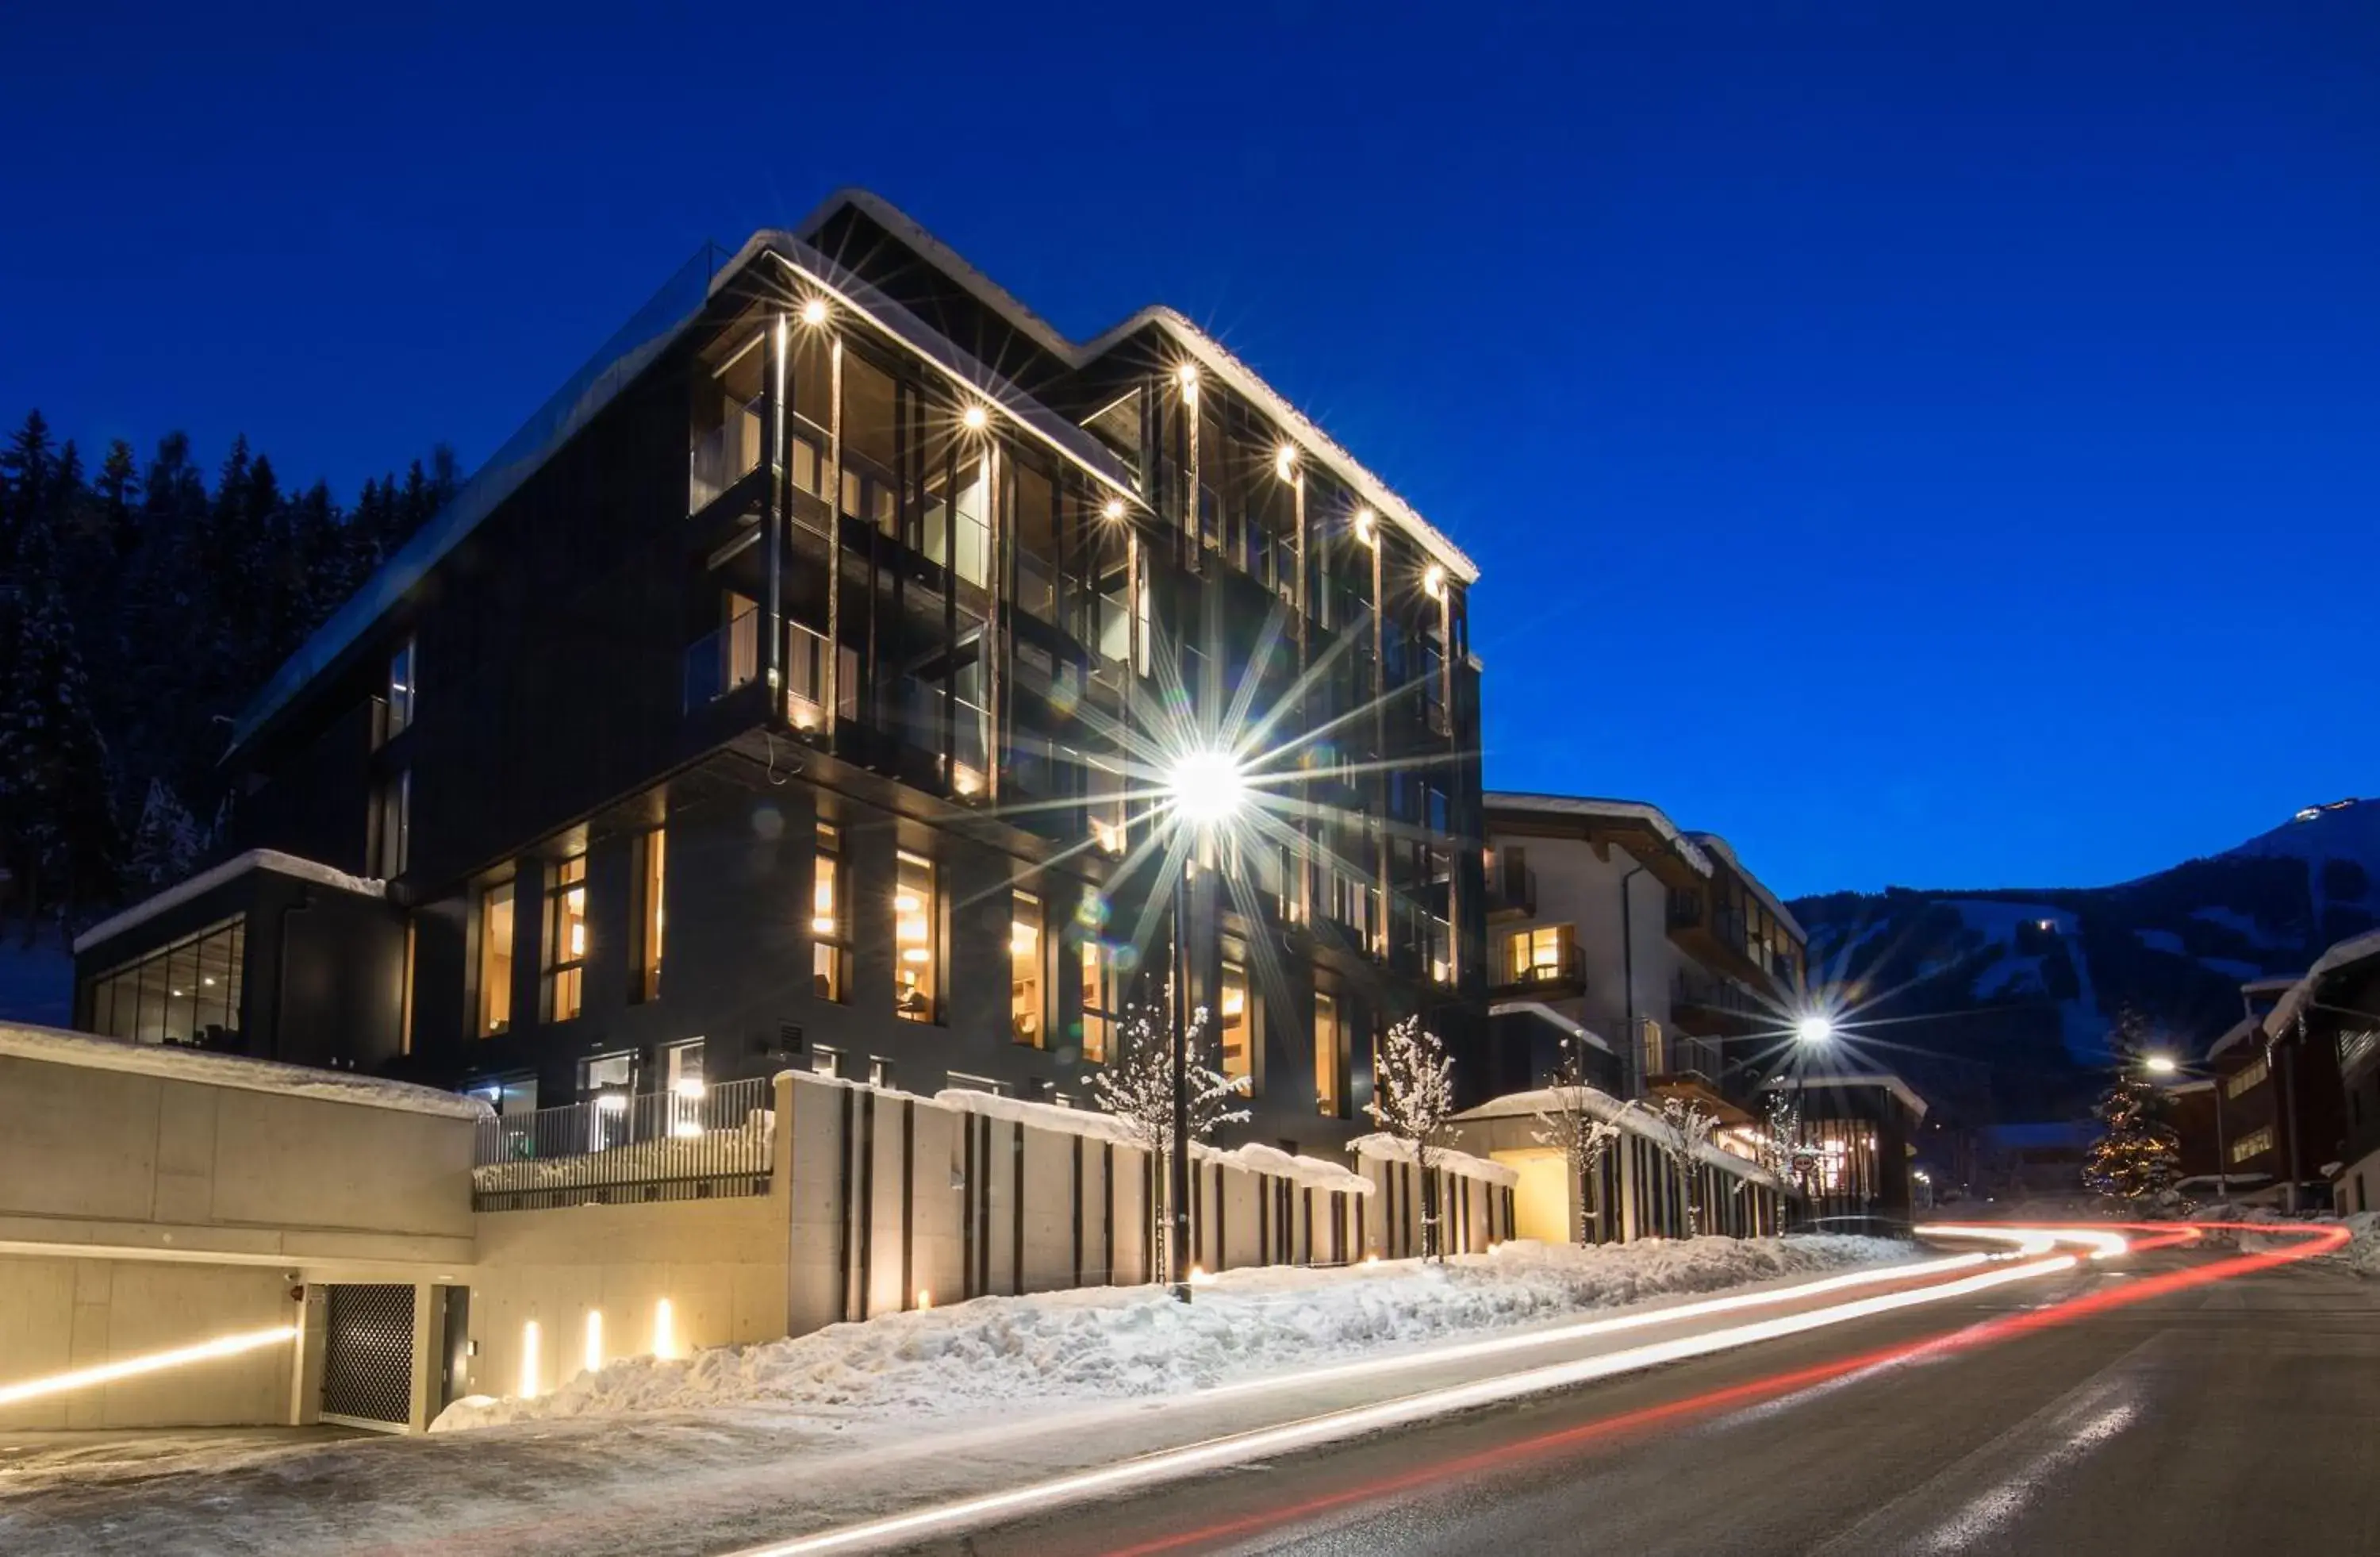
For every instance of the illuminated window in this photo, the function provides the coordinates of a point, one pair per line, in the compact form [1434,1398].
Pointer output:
[914,910]
[829,943]
[1024,982]
[1099,1000]
[496,959]
[1329,1057]
[187,993]
[1237,1015]
[565,939]
[2256,1140]
[2248,1079]
[652,865]
[1538,957]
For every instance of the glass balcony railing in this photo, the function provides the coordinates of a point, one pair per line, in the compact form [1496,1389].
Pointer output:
[724,456]
[805,677]
[723,659]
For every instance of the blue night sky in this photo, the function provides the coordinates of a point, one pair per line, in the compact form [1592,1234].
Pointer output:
[1924,448]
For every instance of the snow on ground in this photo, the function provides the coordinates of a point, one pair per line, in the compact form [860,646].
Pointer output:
[1060,1348]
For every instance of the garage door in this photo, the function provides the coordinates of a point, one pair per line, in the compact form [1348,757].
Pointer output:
[368,1354]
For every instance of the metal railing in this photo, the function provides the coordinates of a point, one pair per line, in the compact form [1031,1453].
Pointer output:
[1566,968]
[695,1143]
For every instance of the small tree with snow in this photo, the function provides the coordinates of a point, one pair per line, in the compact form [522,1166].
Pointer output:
[2137,1156]
[1413,1096]
[1583,1137]
[1786,1156]
[1686,1129]
[167,841]
[1138,1088]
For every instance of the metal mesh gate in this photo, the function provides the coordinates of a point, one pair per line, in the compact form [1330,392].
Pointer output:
[367,1354]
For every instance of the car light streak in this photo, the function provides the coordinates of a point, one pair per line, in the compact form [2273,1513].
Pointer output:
[2103,1243]
[1265,1442]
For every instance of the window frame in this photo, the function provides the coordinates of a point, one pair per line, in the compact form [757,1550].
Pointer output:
[829,931]
[928,914]
[485,1024]
[562,968]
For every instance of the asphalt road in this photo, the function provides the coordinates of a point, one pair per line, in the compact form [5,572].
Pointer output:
[2242,1416]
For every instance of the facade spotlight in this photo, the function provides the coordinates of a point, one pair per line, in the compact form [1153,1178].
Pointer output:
[974,419]
[814,311]
[1814,1029]
[1206,787]
[1433,581]
[1367,527]
[1113,510]
[1284,462]
[1186,376]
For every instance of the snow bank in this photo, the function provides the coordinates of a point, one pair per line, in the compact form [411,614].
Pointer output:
[1551,1102]
[1313,1172]
[1390,1148]
[1088,1123]
[1064,1348]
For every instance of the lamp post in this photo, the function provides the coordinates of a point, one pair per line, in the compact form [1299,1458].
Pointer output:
[1815,1030]
[2166,1065]
[1205,789]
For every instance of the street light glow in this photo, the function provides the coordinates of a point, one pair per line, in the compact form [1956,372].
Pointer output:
[1816,1027]
[1206,787]
[2160,1065]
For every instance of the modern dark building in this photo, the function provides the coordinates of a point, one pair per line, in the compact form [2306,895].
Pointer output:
[799,689]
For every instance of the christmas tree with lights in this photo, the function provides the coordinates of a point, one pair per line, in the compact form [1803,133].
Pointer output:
[2136,1156]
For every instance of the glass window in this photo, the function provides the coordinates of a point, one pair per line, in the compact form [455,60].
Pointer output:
[2247,1079]
[1329,1057]
[496,959]
[915,909]
[404,995]
[391,824]
[1238,1017]
[1024,982]
[565,939]
[1099,1000]
[1538,957]
[652,865]
[400,688]
[606,1081]
[830,947]
[2247,1146]
[187,993]
[682,1074]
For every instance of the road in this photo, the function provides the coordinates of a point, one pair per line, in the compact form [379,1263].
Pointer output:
[2234,1417]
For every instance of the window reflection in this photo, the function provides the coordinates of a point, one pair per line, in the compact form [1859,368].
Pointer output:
[187,993]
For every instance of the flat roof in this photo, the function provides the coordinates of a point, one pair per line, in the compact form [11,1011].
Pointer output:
[207,880]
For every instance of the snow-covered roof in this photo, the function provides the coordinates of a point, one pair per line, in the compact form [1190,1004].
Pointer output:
[1633,1118]
[207,880]
[1390,1148]
[89,1052]
[2237,1033]
[1593,809]
[1884,1079]
[1726,851]
[1539,1009]
[1312,1172]
[1211,354]
[2354,949]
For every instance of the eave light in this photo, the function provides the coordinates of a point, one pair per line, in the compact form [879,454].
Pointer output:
[974,418]
[1368,527]
[1113,509]
[1433,581]
[1284,462]
[814,311]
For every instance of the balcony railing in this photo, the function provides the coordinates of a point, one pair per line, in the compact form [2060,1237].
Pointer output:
[1675,1054]
[696,1143]
[723,456]
[1707,994]
[1512,886]
[1566,971]
[723,659]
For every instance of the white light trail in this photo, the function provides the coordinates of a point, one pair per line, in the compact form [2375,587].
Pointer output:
[2103,1243]
[1267,1441]
[155,1362]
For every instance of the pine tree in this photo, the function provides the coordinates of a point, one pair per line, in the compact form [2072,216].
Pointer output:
[167,842]
[1413,1096]
[2137,1155]
[1138,1088]
[57,826]
[1571,1126]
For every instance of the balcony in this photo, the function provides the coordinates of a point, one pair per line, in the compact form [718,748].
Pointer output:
[1709,1000]
[1556,974]
[723,659]
[695,1143]
[1511,887]
[723,456]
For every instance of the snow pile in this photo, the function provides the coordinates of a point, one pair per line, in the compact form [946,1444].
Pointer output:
[173,1062]
[1123,1342]
[1390,1149]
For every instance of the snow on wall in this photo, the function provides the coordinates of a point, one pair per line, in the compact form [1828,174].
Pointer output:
[1389,1149]
[1601,1105]
[88,1051]
[207,880]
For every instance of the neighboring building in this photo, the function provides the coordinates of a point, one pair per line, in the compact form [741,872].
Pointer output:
[1864,1127]
[1680,969]
[787,692]
[2279,1075]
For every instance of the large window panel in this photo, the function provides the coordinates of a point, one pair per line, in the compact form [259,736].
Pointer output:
[496,959]
[1025,984]
[187,993]
[830,939]
[917,911]
[565,939]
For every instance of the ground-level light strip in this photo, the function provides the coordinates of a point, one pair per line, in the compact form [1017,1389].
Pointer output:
[152,1362]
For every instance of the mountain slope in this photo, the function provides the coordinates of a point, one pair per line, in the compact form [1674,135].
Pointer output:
[2004,1001]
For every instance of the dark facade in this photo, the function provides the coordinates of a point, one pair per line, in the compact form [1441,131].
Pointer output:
[799,690]
[1863,1129]
[2284,1102]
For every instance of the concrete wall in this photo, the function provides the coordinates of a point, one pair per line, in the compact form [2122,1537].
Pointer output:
[177,1166]
[1577,887]
[60,1314]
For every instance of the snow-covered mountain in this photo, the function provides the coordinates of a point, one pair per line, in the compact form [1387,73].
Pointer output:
[2005,999]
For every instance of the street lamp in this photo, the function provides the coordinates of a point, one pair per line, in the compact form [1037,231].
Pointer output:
[2160,1065]
[1205,788]
[2166,1065]
[1815,1029]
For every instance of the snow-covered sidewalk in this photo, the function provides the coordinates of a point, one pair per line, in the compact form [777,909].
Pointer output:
[697,1455]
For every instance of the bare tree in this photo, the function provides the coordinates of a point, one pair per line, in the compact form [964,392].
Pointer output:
[1686,1129]
[1789,1158]
[1138,1090]
[1570,1128]
[1413,1096]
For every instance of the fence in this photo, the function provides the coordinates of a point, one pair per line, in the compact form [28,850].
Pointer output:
[693,1143]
